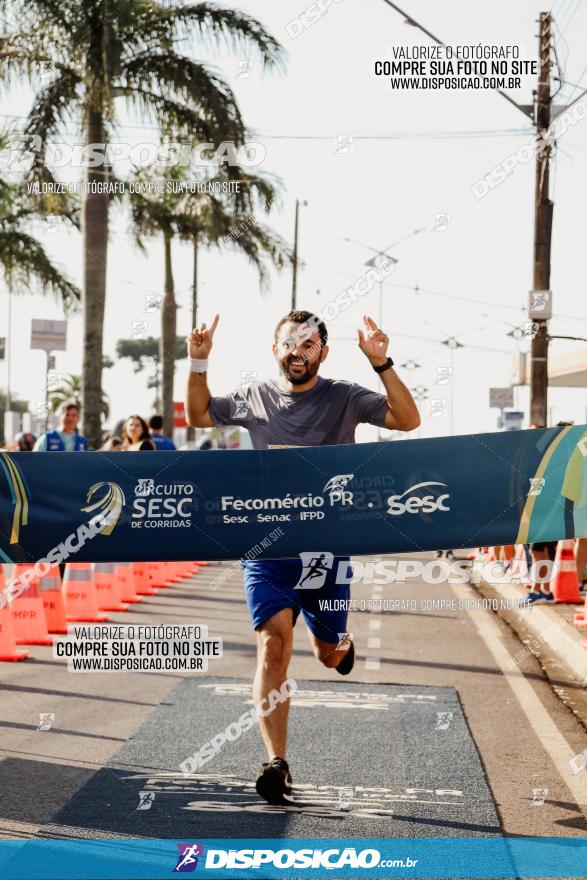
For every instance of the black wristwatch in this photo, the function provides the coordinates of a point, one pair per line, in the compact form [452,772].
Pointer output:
[383,367]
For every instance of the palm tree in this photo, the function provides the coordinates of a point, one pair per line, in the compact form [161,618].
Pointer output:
[23,258]
[206,220]
[71,390]
[105,53]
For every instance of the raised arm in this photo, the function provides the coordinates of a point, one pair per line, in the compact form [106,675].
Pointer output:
[198,395]
[403,413]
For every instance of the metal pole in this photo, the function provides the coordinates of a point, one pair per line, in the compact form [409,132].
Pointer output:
[190,435]
[452,390]
[294,283]
[542,227]
[8,348]
[48,353]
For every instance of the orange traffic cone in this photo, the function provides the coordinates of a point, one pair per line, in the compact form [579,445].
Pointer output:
[28,614]
[142,584]
[81,600]
[8,651]
[565,585]
[53,604]
[157,575]
[108,587]
[126,580]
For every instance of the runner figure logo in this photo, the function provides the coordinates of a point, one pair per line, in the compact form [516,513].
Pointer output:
[187,860]
[240,407]
[443,720]
[315,566]
[344,641]
[46,720]
[146,799]
[144,487]
[538,796]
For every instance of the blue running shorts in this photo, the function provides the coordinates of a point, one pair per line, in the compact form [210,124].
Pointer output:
[269,588]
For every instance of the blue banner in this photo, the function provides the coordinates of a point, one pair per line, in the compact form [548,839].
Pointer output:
[318,858]
[408,496]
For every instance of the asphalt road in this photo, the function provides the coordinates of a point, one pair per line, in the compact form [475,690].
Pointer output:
[437,732]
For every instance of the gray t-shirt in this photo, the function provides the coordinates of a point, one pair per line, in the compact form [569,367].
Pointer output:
[325,415]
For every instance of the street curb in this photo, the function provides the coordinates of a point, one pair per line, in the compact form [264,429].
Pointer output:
[546,624]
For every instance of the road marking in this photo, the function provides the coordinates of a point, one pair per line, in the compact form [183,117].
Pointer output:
[374,642]
[372,663]
[375,624]
[544,727]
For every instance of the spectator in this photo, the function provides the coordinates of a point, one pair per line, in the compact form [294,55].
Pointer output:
[67,438]
[112,444]
[136,437]
[24,442]
[160,440]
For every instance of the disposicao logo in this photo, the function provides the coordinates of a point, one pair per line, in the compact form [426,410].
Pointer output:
[109,505]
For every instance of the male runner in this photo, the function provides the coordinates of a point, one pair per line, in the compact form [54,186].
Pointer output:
[298,409]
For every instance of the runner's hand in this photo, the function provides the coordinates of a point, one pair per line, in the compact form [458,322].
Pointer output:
[373,342]
[200,342]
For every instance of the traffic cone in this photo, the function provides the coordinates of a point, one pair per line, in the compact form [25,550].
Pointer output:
[142,584]
[108,587]
[8,651]
[79,591]
[126,581]
[565,585]
[157,575]
[28,614]
[53,605]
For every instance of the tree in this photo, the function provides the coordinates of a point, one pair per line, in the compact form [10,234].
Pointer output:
[144,353]
[24,260]
[206,220]
[71,389]
[104,54]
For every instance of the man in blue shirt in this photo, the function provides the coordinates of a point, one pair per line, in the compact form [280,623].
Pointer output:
[160,440]
[66,438]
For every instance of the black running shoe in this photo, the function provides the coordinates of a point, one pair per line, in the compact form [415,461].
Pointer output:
[274,782]
[347,662]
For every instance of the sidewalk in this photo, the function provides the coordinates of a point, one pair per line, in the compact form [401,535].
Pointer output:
[543,626]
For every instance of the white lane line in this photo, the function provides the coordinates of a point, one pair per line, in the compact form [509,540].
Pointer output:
[544,727]
[372,663]
[375,623]
[374,642]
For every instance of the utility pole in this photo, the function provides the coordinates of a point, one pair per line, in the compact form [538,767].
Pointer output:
[191,432]
[541,117]
[294,281]
[542,224]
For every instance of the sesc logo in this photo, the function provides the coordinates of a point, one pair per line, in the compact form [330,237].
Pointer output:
[399,504]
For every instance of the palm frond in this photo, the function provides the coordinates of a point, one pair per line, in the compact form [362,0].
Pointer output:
[206,98]
[26,263]
[219,25]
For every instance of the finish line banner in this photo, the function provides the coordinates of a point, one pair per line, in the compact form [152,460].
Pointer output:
[408,496]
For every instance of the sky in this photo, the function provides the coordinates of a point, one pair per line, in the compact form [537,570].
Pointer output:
[373,165]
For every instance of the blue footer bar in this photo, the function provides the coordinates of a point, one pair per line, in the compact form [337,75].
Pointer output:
[281,858]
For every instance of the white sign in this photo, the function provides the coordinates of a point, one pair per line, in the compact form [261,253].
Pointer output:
[540,305]
[500,398]
[48,335]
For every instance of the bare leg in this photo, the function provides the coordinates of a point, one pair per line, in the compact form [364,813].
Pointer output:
[581,558]
[326,652]
[539,556]
[274,644]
